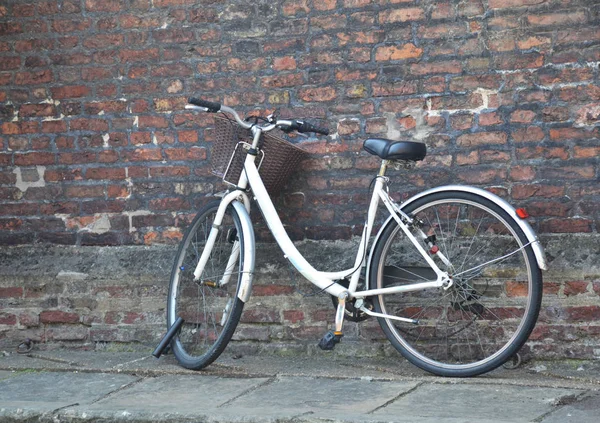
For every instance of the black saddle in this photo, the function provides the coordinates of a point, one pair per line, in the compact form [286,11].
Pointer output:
[396,150]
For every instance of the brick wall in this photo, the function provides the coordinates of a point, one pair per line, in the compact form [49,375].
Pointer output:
[96,148]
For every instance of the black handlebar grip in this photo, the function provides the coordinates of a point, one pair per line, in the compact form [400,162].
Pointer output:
[307,127]
[210,105]
[323,131]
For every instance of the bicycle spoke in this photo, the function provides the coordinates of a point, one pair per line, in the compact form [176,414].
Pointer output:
[203,303]
[481,314]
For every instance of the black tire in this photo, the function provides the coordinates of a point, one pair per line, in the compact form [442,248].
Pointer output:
[205,334]
[486,316]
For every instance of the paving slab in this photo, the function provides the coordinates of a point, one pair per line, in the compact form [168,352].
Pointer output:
[47,391]
[175,396]
[289,397]
[585,409]
[477,402]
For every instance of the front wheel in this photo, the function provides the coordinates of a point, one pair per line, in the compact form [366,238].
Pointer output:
[487,314]
[209,305]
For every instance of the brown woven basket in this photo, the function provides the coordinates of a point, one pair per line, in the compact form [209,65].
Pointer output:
[280,156]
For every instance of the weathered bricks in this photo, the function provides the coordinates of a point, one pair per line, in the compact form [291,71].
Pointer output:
[504,92]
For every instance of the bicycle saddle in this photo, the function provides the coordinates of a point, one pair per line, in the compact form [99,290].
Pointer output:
[395,150]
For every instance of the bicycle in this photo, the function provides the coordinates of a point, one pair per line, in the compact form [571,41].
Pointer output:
[453,275]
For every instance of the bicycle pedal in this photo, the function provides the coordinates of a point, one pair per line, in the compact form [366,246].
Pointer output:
[330,339]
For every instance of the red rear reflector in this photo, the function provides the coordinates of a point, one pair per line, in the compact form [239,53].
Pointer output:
[522,213]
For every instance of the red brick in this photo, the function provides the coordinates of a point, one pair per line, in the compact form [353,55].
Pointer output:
[103,5]
[32,159]
[282,80]
[169,171]
[556,19]
[34,77]
[536,152]
[461,121]
[57,316]
[11,292]
[481,138]
[450,30]
[401,15]
[453,66]
[84,124]
[127,55]
[54,126]
[293,316]
[74,91]
[64,26]
[519,61]
[72,158]
[562,134]
[555,114]
[153,122]
[271,290]
[142,154]
[284,63]
[83,191]
[101,107]
[568,172]
[105,173]
[168,3]
[574,225]
[537,190]
[325,5]
[516,289]
[529,134]
[522,116]
[586,152]
[502,4]
[406,51]
[140,138]
[317,94]
[37,110]
[18,128]
[193,153]
[328,22]
[482,176]
[575,288]
[583,313]
[8,319]
[169,204]
[95,74]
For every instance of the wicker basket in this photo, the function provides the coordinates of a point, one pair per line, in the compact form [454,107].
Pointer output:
[280,156]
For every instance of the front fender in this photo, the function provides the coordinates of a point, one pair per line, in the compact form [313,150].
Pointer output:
[249,251]
[536,245]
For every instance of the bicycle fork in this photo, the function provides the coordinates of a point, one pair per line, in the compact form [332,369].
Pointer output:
[241,203]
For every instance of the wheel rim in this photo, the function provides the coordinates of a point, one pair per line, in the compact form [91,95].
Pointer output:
[481,316]
[204,306]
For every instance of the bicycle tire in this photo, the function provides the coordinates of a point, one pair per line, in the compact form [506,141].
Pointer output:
[495,305]
[205,333]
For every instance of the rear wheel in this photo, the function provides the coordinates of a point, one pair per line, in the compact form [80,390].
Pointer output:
[209,306]
[487,314]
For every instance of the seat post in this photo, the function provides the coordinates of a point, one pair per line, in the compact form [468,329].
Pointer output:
[383,168]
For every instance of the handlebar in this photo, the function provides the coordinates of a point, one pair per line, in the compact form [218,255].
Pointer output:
[208,105]
[283,124]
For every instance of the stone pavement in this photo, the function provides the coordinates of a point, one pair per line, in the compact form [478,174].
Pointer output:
[79,386]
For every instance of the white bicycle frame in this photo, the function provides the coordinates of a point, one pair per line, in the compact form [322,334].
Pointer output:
[239,199]
[324,280]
